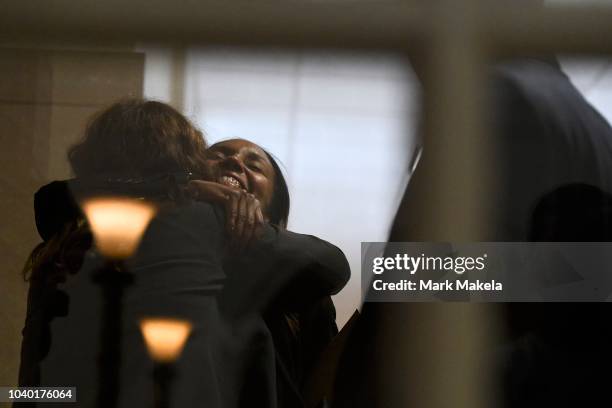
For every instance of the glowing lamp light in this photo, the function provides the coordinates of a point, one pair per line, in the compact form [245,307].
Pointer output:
[118,224]
[165,338]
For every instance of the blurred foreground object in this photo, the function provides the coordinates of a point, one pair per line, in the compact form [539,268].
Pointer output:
[117,224]
[165,338]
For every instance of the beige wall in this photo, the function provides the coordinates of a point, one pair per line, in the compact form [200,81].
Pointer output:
[46,97]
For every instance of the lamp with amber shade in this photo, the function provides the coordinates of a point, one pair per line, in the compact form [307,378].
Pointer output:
[117,225]
[165,339]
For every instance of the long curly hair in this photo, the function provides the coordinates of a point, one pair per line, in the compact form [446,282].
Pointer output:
[138,138]
[131,138]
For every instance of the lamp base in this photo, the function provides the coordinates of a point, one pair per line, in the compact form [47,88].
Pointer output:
[163,374]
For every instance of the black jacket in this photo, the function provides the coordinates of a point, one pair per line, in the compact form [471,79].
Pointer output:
[555,163]
[181,269]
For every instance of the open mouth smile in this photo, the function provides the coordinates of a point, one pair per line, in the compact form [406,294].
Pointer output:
[232,182]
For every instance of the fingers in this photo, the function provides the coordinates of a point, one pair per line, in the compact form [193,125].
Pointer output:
[208,191]
[231,213]
[217,193]
[244,217]
[248,220]
[241,220]
[250,225]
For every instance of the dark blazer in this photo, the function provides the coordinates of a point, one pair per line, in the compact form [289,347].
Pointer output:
[181,269]
[558,160]
[547,136]
[301,333]
[555,153]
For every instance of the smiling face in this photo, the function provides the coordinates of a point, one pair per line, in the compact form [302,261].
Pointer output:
[243,165]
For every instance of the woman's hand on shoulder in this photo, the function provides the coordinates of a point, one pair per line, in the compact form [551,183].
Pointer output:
[243,214]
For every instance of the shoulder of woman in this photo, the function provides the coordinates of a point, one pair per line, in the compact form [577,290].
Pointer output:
[197,219]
